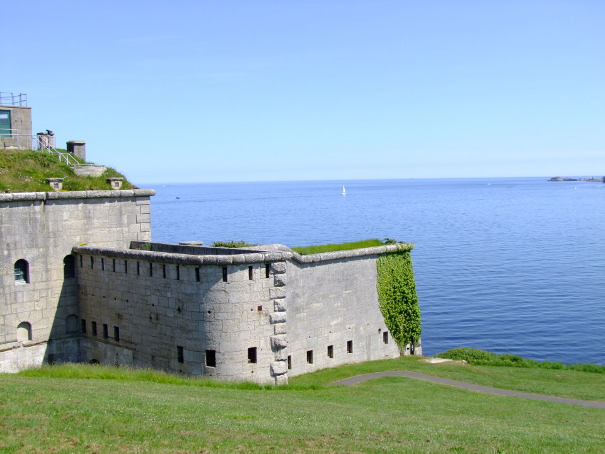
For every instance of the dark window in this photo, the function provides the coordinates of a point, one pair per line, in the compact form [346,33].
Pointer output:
[250,273]
[114,265]
[150,269]
[180,356]
[81,265]
[224,274]
[210,358]
[252,355]
[83,326]
[138,268]
[126,266]
[69,267]
[385,337]
[197,275]
[102,264]
[267,269]
[22,271]
[330,351]
[94,328]
[178,273]
[116,333]
[92,262]
[5,123]
[164,271]
[310,356]
[349,346]
[105,331]
[289,362]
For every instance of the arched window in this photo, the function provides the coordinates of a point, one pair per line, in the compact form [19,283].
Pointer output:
[71,324]
[69,267]
[24,332]
[22,271]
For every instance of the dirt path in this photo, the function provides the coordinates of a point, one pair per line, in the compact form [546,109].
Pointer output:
[484,389]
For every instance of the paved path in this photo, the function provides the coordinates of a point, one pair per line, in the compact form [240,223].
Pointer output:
[484,389]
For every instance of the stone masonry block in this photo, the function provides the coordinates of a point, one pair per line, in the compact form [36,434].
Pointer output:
[280,305]
[279,341]
[143,218]
[281,355]
[279,280]
[277,292]
[281,380]
[280,328]
[279,368]
[277,317]
[278,267]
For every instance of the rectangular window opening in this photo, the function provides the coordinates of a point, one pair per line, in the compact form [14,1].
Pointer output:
[105,331]
[81,265]
[267,270]
[330,351]
[210,358]
[178,273]
[126,266]
[180,355]
[92,262]
[138,268]
[250,273]
[197,275]
[164,271]
[150,269]
[289,362]
[114,265]
[94,328]
[83,326]
[385,337]
[350,346]
[252,355]
[225,274]
[310,356]
[116,333]
[102,264]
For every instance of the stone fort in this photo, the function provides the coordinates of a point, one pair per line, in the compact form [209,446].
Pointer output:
[83,282]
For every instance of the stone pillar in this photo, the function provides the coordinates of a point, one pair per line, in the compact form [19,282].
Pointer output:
[55,183]
[115,183]
[46,139]
[77,148]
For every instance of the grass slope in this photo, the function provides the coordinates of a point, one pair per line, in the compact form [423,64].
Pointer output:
[27,171]
[49,412]
[308,250]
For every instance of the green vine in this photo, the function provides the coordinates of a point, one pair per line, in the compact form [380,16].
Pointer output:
[397,296]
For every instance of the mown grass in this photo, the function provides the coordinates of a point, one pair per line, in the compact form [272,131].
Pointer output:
[27,171]
[102,410]
[308,250]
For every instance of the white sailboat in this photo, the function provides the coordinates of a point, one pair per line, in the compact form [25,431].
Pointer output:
[344,191]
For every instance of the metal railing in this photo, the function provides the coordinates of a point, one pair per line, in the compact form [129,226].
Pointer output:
[11,99]
[42,144]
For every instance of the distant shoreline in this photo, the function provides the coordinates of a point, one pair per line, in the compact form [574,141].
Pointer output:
[591,179]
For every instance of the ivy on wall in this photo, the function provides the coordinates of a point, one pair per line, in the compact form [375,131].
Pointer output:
[397,296]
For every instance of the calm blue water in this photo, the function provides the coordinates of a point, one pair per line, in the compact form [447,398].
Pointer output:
[513,265]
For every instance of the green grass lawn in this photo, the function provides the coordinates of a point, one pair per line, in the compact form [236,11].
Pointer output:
[27,171]
[145,412]
[308,250]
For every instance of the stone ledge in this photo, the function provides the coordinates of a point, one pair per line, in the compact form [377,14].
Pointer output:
[66,195]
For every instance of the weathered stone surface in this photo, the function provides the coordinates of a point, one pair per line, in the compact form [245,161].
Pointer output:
[277,317]
[280,305]
[279,280]
[279,341]
[279,367]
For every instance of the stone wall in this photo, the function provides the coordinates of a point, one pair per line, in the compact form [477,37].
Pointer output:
[38,230]
[333,312]
[196,314]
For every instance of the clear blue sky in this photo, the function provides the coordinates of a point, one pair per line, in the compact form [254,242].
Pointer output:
[199,91]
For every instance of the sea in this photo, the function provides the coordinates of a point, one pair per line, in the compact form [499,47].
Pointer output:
[508,265]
